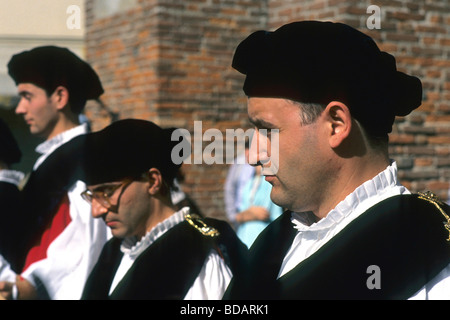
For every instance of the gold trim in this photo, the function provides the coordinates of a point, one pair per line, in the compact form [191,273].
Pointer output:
[432,198]
[196,221]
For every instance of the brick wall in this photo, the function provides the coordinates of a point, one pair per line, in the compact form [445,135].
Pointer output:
[169,61]
[123,48]
[197,41]
[417,33]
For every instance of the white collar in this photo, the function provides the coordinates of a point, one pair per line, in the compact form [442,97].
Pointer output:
[130,246]
[11,176]
[47,147]
[365,196]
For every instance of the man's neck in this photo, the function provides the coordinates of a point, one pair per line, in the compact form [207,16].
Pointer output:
[351,175]
[62,126]
[161,211]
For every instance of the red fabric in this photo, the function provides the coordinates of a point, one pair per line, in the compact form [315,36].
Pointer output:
[59,222]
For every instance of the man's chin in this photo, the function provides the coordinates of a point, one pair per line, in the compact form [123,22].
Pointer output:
[277,199]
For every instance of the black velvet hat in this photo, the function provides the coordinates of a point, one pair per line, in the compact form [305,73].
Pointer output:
[318,62]
[127,148]
[49,67]
[9,149]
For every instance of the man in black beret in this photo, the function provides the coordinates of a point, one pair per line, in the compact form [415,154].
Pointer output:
[157,252]
[61,241]
[351,231]
[10,199]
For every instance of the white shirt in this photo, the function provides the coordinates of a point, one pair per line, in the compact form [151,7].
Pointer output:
[212,280]
[313,235]
[73,253]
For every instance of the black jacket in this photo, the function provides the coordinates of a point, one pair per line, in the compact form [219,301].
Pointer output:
[168,267]
[403,236]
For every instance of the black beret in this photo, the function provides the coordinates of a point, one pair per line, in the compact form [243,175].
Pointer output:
[318,62]
[9,149]
[49,67]
[127,148]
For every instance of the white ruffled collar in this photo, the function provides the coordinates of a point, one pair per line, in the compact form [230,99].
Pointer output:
[371,189]
[11,176]
[46,147]
[130,246]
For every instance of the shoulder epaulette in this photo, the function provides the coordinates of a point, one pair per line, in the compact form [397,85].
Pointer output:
[197,222]
[432,198]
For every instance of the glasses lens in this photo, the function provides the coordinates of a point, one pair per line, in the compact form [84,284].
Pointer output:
[102,199]
[87,196]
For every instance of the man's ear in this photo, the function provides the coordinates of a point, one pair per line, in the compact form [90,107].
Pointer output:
[61,97]
[340,119]
[155,181]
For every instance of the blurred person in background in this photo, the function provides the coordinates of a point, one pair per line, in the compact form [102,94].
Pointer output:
[256,209]
[61,241]
[239,173]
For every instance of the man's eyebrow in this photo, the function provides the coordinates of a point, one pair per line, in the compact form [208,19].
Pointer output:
[25,93]
[260,123]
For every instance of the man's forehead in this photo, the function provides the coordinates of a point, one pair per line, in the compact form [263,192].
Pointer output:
[28,87]
[266,112]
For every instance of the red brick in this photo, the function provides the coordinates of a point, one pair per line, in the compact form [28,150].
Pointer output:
[423,162]
[439,140]
[401,139]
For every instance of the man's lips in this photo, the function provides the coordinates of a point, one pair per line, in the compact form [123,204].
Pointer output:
[111,223]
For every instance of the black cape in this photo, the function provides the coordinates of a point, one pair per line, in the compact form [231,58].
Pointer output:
[403,236]
[166,269]
[44,191]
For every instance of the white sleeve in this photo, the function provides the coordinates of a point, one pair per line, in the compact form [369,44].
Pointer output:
[72,254]
[437,288]
[212,280]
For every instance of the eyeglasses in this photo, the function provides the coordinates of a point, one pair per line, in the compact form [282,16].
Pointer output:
[103,196]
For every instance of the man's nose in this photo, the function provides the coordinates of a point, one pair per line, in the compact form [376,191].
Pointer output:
[258,154]
[97,209]
[20,109]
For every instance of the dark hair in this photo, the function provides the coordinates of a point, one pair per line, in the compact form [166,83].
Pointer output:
[309,112]
[76,101]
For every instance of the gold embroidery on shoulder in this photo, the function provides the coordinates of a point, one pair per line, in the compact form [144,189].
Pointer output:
[432,198]
[197,222]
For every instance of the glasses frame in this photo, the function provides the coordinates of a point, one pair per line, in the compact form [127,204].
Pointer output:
[102,197]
